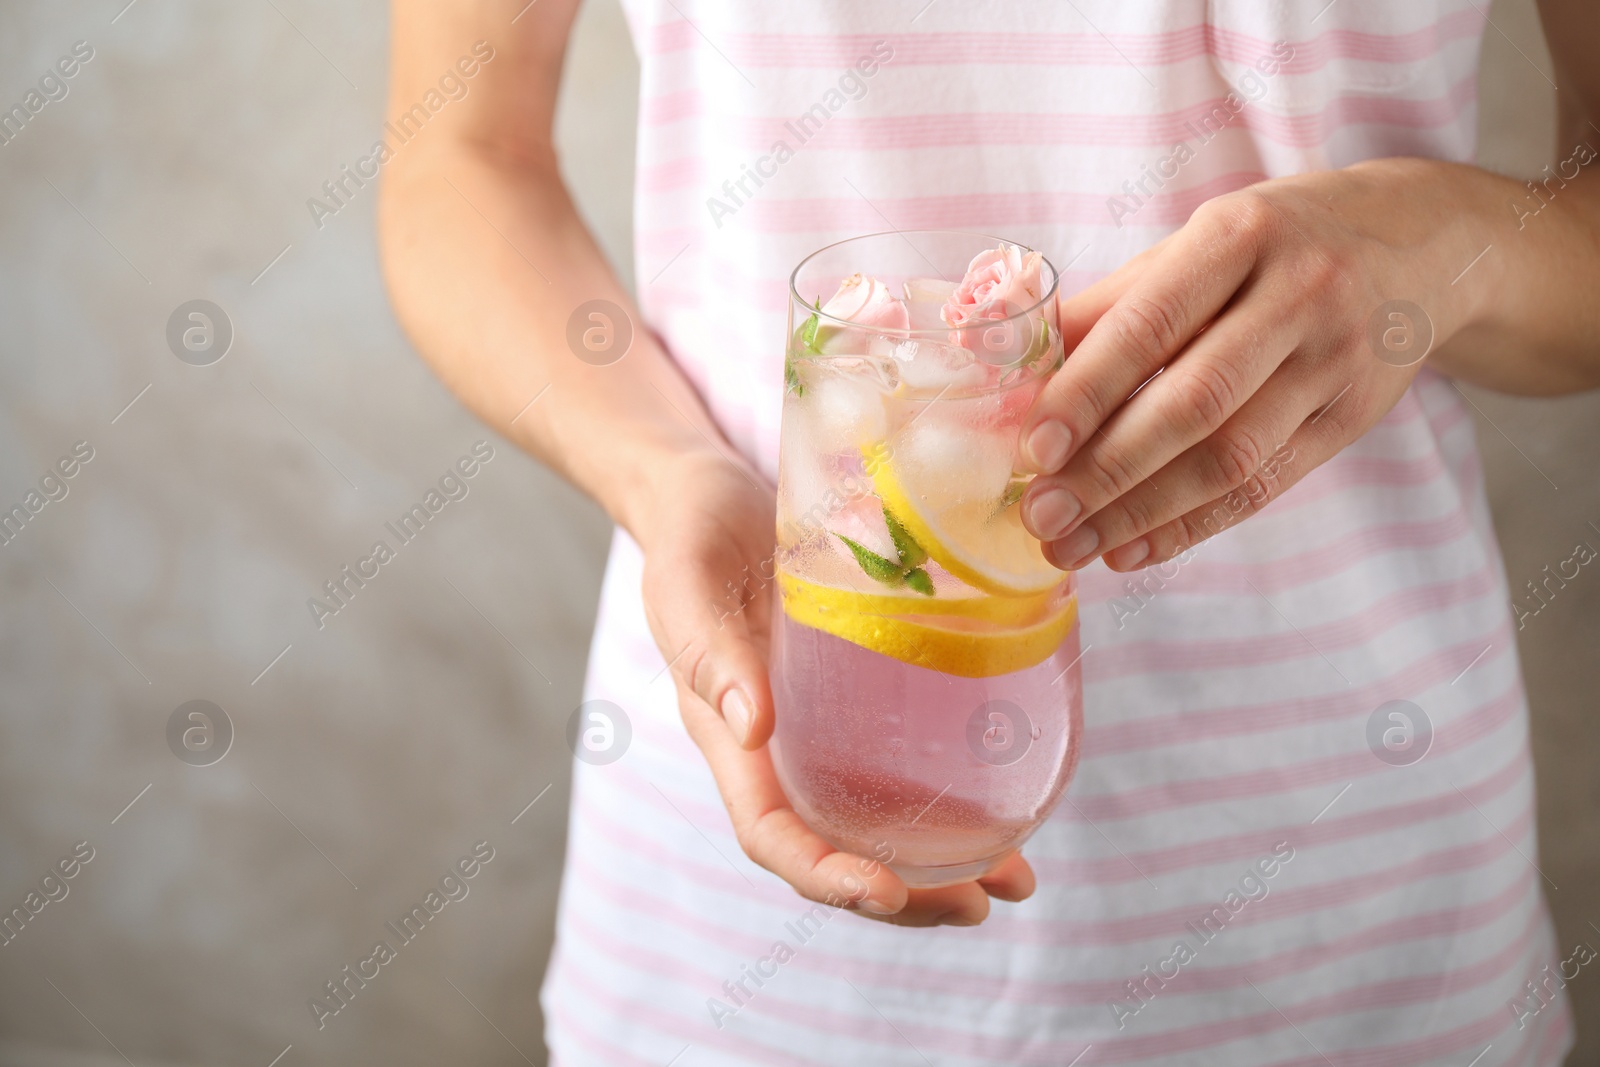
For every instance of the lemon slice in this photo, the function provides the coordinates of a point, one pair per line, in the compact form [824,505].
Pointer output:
[970,534]
[818,600]
[952,643]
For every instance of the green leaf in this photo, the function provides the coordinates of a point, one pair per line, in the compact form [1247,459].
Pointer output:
[918,579]
[808,333]
[911,553]
[791,377]
[876,567]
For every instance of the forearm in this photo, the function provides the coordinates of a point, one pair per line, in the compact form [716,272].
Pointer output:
[486,259]
[1522,318]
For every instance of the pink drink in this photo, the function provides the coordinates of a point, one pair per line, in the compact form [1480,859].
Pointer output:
[875,752]
[925,654]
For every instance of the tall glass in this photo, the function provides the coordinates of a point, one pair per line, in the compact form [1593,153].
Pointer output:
[925,655]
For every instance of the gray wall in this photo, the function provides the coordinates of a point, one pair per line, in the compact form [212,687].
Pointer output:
[429,712]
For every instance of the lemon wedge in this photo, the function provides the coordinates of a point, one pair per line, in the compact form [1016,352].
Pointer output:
[973,535]
[968,637]
[818,600]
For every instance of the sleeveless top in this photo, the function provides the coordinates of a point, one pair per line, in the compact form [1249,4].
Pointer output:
[1253,865]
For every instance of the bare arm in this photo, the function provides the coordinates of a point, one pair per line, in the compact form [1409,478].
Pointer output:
[486,262]
[1536,327]
[486,259]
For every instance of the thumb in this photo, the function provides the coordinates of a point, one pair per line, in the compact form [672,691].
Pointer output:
[727,669]
[717,651]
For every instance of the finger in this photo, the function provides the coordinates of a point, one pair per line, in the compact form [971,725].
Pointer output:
[1192,398]
[1080,311]
[965,904]
[728,671]
[968,904]
[1313,443]
[772,834]
[1013,880]
[1181,289]
[716,645]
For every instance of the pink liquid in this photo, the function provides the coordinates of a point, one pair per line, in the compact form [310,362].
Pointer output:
[937,775]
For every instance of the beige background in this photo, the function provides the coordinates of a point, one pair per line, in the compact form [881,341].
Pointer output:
[426,715]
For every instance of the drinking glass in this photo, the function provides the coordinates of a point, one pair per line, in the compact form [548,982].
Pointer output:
[925,655]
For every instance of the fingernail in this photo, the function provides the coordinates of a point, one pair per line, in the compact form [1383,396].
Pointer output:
[1128,556]
[1051,512]
[1047,446]
[877,907]
[736,711]
[1079,545]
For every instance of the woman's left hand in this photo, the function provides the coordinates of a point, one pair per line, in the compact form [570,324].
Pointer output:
[1254,320]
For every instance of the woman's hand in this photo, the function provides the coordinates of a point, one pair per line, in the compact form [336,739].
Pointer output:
[708,590]
[1254,321]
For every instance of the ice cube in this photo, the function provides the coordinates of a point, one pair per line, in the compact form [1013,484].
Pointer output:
[955,460]
[928,366]
[804,476]
[843,404]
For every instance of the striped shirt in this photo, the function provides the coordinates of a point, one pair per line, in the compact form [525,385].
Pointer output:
[1253,866]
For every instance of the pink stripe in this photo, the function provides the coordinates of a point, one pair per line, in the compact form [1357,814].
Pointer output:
[1288,902]
[1344,552]
[1349,470]
[1080,871]
[1344,1002]
[1233,720]
[1077,871]
[1555,1034]
[1012,928]
[1452,415]
[1341,767]
[921,978]
[1158,132]
[570,1027]
[1361,998]
[1401,1054]
[831,217]
[1297,962]
[663,108]
[699,1033]
[797,51]
[1298,643]
[1171,795]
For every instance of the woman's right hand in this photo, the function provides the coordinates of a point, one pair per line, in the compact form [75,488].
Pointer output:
[708,588]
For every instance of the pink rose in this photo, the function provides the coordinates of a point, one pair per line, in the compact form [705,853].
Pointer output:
[867,302]
[864,302]
[999,283]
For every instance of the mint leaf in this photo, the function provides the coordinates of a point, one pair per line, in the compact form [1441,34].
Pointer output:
[1014,490]
[876,567]
[808,333]
[918,579]
[911,553]
[791,377]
